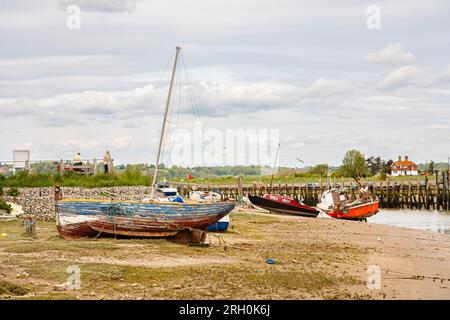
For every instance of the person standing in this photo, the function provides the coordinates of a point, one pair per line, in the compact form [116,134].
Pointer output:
[77,164]
[77,159]
[107,162]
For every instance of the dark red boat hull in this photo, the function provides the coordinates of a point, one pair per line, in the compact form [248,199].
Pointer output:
[283,205]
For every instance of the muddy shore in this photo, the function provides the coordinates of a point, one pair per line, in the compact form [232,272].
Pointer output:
[314,259]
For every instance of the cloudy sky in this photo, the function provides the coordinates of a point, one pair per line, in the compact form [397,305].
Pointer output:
[328,75]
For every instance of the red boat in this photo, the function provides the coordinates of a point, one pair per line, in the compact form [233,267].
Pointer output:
[282,204]
[335,204]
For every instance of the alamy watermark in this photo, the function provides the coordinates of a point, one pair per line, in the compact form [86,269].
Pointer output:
[74,278]
[214,147]
[73,21]
[373,21]
[374,278]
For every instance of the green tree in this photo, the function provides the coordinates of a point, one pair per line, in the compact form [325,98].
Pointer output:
[354,164]
[375,165]
[320,169]
[386,169]
[431,167]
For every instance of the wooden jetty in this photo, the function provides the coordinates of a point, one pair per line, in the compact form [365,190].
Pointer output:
[417,193]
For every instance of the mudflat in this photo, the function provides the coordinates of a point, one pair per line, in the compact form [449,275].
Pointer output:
[313,259]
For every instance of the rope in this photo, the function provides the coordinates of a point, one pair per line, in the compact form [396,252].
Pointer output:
[194,103]
[147,105]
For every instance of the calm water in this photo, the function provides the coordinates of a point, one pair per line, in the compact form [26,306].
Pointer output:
[436,221]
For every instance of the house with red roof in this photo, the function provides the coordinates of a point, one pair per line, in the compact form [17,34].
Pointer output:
[404,167]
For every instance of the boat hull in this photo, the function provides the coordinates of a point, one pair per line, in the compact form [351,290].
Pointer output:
[221,225]
[283,205]
[360,212]
[88,218]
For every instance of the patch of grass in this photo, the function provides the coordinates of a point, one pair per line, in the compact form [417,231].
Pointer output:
[13,192]
[131,176]
[10,288]
[309,281]
[5,206]
[261,221]
[70,246]
[49,296]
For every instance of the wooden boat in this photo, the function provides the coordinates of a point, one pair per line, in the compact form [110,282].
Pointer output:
[335,204]
[282,204]
[164,214]
[88,217]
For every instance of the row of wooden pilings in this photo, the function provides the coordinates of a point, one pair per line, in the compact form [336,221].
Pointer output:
[428,194]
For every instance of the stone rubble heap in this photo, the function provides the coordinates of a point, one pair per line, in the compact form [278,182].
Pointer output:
[40,202]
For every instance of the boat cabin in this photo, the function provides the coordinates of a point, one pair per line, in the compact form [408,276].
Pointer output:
[332,199]
[164,190]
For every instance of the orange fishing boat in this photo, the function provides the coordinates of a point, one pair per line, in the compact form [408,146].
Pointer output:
[335,204]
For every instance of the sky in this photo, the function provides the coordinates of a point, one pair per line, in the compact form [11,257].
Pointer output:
[317,77]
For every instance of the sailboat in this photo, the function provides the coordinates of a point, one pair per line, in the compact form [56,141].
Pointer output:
[153,217]
[276,203]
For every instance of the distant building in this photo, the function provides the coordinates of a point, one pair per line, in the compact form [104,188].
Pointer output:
[404,167]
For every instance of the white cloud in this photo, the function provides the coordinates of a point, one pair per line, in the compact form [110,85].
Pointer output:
[392,54]
[411,76]
[326,88]
[403,76]
[290,64]
[212,98]
[101,5]
[23,106]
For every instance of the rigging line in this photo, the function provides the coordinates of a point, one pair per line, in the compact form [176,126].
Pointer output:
[147,104]
[193,100]
[177,97]
[194,103]
[167,144]
[179,101]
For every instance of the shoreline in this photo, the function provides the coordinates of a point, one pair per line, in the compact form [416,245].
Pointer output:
[315,259]
[39,201]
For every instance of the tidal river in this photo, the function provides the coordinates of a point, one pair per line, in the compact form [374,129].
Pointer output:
[437,221]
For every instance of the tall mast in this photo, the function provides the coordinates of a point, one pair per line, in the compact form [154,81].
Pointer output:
[164,122]
[274,166]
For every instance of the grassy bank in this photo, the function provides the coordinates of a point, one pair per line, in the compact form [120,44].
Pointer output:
[129,177]
[134,177]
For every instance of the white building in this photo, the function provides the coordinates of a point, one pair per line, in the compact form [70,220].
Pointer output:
[404,168]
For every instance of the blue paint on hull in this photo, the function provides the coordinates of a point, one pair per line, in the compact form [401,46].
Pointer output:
[78,215]
[218,226]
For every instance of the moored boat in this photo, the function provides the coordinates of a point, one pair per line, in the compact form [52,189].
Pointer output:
[163,214]
[88,217]
[221,225]
[334,203]
[284,205]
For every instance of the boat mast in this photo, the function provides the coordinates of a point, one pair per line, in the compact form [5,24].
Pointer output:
[274,166]
[164,122]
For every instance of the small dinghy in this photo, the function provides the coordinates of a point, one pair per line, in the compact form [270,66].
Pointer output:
[221,225]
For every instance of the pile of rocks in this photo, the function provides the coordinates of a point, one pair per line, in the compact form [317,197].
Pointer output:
[40,202]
